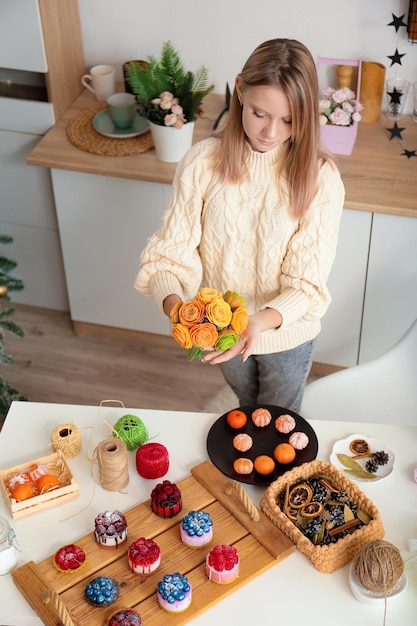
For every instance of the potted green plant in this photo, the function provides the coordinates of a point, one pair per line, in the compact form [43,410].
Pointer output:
[169,96]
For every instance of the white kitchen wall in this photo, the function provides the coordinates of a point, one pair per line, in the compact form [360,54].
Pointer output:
[222,33]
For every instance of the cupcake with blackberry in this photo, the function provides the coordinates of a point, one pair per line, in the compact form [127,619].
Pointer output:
[124,617]
[166,499]
[110,529]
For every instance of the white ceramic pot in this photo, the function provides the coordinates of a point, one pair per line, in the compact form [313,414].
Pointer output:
[172,143]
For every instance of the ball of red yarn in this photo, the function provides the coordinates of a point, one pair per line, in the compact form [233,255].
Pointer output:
[152,460]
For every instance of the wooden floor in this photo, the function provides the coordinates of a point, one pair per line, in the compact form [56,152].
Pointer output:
[142,371]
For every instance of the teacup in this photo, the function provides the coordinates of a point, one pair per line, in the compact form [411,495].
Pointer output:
[101,81]
[122,108]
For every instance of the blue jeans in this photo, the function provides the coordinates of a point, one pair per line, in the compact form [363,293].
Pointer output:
[277,378]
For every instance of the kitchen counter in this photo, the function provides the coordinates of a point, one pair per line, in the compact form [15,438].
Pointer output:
[377,177]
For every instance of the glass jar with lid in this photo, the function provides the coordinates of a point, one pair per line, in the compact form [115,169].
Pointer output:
[8,547]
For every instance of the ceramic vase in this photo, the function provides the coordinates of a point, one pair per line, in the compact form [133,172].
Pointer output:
[339,139]
[171,143]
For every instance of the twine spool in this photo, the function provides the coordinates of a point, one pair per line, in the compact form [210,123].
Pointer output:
[131,430]
[113,464]
[378,566]
[152,460]
[67,438]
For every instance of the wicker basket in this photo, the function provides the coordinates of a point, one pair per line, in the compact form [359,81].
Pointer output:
[326,558]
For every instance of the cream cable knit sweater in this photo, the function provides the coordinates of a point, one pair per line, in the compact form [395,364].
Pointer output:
[241,237]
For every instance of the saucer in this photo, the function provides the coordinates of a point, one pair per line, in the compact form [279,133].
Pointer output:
[104,125]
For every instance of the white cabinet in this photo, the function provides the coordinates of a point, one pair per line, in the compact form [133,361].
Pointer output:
[28,215]
[391,288]
[104,224]
[21,39]
[338,342]
[41,63]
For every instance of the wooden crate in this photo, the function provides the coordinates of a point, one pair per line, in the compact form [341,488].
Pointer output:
[260,545]
[56,464]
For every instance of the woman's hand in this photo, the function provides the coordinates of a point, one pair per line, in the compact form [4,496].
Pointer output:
[169,303]
[258,322]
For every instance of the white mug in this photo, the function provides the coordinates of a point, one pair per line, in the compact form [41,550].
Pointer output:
[101,81]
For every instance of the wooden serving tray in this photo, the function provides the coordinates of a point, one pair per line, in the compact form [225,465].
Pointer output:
[58,597]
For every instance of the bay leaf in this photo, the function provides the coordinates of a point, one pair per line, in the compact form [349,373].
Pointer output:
[363,516]
[354,467]
[348,513]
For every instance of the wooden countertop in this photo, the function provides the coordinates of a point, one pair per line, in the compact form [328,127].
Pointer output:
[376,176]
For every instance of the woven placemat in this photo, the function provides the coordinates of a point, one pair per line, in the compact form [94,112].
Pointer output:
[81,133]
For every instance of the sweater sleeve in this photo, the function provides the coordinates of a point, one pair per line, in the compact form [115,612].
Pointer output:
[170,262]
[311,252]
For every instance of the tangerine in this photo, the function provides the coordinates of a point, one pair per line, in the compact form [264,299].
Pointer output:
[236,418]
[48,482]
[264,464]
[284,453]
[22,491]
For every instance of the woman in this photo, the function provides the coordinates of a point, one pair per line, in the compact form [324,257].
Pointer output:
[257,210]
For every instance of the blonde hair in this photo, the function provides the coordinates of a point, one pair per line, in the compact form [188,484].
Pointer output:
[287,64]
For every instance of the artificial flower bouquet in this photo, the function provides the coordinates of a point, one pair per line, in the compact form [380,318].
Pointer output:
[339,107]
[210,320]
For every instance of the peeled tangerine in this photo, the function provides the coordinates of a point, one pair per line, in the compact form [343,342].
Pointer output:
[298,440]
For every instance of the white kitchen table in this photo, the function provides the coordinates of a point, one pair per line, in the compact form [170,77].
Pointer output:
[290,592]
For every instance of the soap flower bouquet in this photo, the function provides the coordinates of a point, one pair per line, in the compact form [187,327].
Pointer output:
[167,94]
[211,320]
[339,107]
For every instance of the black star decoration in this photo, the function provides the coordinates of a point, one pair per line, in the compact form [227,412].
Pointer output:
[409,153]
[396,58]
[397,22]
[395,131]
[395,96]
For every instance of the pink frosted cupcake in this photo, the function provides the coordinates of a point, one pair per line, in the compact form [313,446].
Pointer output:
[222,564]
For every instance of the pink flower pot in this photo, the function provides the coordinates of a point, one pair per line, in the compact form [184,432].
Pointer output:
[339,139]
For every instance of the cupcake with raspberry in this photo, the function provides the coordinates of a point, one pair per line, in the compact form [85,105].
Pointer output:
[222,564]
[69,559]
[110,529]
[144,556]
[166,499]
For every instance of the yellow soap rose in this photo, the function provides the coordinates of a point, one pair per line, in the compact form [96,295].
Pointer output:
[219,313]
[206,295]
[234,299]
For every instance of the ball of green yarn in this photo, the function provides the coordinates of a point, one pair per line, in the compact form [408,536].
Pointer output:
[131,430]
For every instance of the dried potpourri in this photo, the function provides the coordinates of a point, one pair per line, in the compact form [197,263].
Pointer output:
[320,511]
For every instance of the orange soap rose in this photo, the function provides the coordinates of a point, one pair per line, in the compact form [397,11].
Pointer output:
[219,313]
[204,335]
[206,295]
[239,321]
[182,336]
[174,316]
[192,312]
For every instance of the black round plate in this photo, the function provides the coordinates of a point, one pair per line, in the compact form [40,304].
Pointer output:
[222,453]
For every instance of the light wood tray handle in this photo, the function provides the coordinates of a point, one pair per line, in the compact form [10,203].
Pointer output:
[64,616]
[246,501]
